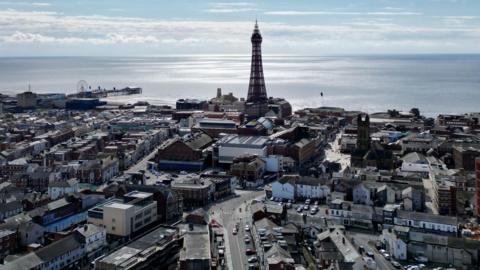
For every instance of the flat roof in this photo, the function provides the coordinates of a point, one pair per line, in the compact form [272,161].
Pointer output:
[256,141]
[120,205]
[198,246]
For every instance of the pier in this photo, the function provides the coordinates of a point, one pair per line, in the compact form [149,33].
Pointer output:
[103,93]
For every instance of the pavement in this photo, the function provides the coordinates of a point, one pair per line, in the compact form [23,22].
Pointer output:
[333,153]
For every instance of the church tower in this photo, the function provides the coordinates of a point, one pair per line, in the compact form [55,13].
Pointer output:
[363,133]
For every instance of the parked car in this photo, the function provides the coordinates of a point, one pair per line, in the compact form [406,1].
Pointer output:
[307,201]
[370,254]
[247,228]
[299,209]
[386,256]
[289,205]
[313,212]
[421,259]
[234,231]
[306,207]
[250,251]
[252,259]
[396,265]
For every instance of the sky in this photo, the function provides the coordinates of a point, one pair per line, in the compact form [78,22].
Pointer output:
[179,27]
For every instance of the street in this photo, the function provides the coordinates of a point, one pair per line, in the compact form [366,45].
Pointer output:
[228,213]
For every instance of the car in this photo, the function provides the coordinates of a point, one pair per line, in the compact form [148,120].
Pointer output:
[252,259]
[247,239]
[250,251]
[289,205]
[234,231]
[299,209]
[370,254]
[382,251]
[306,207]
[422,266]
[313,212]
[396,265]
[378,245]
[421,259]
[252,266]
[412,267]
[316,203]
[247,228]
[386,256]
[307,201]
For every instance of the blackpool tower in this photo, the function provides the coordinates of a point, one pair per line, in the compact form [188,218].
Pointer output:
[257,100]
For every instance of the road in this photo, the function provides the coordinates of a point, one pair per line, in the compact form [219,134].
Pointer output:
[368,242]
[228,213]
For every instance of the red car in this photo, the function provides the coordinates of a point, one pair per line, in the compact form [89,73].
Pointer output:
[250,251]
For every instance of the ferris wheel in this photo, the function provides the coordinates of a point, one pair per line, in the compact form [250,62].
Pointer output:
[82,86]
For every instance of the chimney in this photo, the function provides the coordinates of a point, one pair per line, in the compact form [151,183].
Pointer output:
[343,240]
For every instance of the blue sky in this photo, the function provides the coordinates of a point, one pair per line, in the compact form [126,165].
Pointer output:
[317,27]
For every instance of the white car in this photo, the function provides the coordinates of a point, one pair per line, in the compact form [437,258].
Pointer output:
[247,228]
[421,259]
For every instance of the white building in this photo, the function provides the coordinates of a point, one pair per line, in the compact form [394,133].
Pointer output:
[415,162]
[123,217]
[284,188]
[291,187]
[312,188]
[395,245]
[233,146]
[59,188]
[95,239]
[427,222]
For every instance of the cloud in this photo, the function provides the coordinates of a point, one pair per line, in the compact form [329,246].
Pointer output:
[45,28]
[308,13]
[41,4]
[233,7]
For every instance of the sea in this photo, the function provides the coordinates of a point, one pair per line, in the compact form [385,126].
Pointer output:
[433,83]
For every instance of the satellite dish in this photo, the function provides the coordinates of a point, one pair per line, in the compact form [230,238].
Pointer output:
[82,86]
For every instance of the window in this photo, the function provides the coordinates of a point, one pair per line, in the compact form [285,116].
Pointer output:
[113,228]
